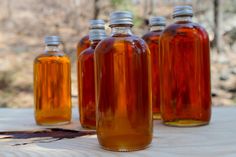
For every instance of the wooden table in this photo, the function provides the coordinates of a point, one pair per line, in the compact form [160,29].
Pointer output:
[215,140]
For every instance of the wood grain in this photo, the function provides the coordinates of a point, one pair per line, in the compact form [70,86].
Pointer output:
[217,139]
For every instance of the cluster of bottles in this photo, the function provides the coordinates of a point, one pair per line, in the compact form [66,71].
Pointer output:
[124,82]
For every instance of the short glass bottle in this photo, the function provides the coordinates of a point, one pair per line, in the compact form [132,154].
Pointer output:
[86,82]
[84,42]
[52,85]
[185,72]
[152,38]
[123,88]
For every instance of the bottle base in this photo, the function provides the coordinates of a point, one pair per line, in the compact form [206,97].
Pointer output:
[52,120]
[125,143]
[156,116]
[186,123]
[88,127]
[124,149]
[52,123]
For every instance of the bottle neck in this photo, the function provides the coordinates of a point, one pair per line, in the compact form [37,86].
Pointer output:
[52,48]
[157,28]
[183,19]
[121,30]
[94,43]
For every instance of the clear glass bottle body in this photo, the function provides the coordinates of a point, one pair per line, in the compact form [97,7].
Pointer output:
[123,91]
[185,74]
[152,39]
[52,87]
[86,87]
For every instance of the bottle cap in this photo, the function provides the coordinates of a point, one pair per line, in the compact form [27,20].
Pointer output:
[52,40]
[121,17]
[97,34]
[96,24]
[157,21]
[183,11]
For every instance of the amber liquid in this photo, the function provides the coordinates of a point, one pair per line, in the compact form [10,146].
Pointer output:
[52,90]
[185,75]
[123,93]
[86,87]
[83,44]
[152,39]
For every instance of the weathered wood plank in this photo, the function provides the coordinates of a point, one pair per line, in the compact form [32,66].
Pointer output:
[217,139]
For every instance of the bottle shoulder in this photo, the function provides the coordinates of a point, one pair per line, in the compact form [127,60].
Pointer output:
[152,36]
[87,53]
[83,42]
[131,39]
[55,56]
[84,39]
[121,44]
[184,29]
[89,50]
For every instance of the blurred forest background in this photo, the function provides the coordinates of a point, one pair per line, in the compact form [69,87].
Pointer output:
[24,23]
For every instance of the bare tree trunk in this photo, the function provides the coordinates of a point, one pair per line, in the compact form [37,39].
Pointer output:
[151,3]
[9,11]
[145,5]
[148,8]
[96,9]
[216,41]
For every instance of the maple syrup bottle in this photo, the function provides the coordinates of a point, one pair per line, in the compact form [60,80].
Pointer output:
[52,85]
[123,88]
[185,72]
[152,38]
[86,82]
[84,42]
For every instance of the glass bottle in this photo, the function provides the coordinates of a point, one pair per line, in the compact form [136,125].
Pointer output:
[123,88]
[185,71]
[52,85]
[152,38]
[84,42]
[86,82]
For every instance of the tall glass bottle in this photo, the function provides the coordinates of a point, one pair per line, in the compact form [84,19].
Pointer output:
[52,85]
[123,88]
[152,38]
[185,72]
[84,42]
[86,82]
